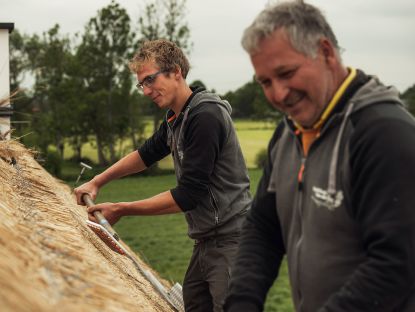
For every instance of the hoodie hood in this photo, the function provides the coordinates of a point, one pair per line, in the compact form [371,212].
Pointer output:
[208,97]
[197,99]
[374,92]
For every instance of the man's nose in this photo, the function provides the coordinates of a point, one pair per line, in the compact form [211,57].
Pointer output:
[279,92]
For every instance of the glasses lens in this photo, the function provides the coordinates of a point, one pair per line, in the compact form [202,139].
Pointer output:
[149,80]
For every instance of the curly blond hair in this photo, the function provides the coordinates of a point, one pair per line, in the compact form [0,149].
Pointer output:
[166,54]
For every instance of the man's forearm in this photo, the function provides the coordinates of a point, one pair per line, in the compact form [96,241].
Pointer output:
[160,204]
[132,163]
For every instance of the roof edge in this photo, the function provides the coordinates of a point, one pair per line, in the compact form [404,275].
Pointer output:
[9,26]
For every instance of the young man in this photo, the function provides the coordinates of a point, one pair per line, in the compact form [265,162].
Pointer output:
[212,181]
[337,195]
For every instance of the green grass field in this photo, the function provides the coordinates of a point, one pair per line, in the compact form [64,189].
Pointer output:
[162,240]
[253,136]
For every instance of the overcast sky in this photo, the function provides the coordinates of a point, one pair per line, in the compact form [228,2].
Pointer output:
[378,36]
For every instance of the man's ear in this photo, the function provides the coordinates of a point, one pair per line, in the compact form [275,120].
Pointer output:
[327,50]
[177,72]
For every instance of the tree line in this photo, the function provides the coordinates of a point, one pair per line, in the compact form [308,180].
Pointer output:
[82,85]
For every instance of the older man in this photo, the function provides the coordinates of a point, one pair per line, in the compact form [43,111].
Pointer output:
[337,195]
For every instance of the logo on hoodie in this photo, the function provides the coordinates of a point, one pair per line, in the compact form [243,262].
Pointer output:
[323,198]
[180,154]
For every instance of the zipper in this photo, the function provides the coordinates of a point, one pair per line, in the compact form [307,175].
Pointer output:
[215,207]
[298,244]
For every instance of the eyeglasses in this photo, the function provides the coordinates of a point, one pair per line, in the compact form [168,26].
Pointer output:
[149,80]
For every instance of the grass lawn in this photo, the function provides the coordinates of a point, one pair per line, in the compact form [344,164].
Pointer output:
[162,240]
[253,136]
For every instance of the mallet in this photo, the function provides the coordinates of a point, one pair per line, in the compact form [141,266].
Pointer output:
[84,166]
[103,229]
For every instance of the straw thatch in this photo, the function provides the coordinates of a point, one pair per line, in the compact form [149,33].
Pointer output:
[5,100]
[49,259]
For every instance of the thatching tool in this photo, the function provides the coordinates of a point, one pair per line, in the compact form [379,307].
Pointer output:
[109,236]
[84,166]
[104,230]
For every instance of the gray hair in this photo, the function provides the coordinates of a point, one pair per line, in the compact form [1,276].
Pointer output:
[303,24]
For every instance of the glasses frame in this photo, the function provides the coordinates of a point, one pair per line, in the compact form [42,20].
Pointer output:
[149,80]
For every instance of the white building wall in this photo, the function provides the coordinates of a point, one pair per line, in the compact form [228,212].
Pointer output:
[4,78]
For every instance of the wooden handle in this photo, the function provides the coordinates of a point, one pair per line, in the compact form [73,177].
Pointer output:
[98,215]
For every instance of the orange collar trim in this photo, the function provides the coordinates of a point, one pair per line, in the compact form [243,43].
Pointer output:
[171,118]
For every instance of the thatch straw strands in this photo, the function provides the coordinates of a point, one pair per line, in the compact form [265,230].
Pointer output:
[5,100]
[49,259]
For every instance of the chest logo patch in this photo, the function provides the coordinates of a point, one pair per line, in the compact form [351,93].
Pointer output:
[323,198]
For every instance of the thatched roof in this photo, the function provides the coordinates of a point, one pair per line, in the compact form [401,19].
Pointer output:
[49,259]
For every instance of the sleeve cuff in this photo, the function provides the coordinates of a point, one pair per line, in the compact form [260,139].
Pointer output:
[181,199]
[147,161]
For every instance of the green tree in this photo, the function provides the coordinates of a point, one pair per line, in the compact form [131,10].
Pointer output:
[149,23]
[18,69]
[134,111]
[48,57]
[18,59]
[164,19]
[175,25]
[105,48]
[198,83]
[249,101]
[75,95]
[262,108]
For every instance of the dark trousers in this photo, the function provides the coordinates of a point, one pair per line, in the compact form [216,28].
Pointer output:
[207,278]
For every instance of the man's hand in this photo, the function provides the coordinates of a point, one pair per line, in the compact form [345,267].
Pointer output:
[110,211]
[90,188]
